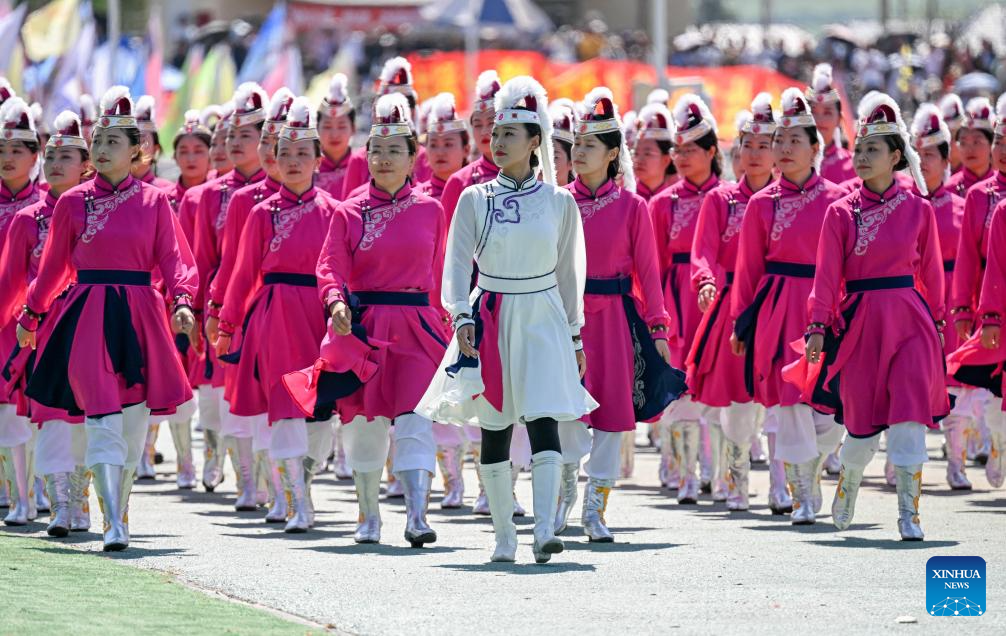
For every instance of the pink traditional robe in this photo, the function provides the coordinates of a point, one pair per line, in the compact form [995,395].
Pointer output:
[836,165]
[479,171]
[963,180]
[331,175]
[973,249]
[358,172]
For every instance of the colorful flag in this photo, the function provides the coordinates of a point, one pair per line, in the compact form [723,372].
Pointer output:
[51,30]
[10,45]
[267,49]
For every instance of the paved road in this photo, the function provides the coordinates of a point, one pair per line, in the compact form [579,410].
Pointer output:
[697,569]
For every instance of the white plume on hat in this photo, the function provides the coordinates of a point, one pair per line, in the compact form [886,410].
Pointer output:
[443,108]
[250,91]
[822,78]
[392,68]
[280,104]
[741,119]
[65,120]
[951,106]
[301,113]
[629,120]
[512,94]
[1001,107]
[658,96]
[624,158]
[684,107]
[14,110]
[790,96]
[88,110]
[209,114]
[145,107]
[387,105]
[112,96]
[921,123]
[869,104]
[338,92]
[485,83]
[193,116]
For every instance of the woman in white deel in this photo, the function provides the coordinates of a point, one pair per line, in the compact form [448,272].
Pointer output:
[517,355]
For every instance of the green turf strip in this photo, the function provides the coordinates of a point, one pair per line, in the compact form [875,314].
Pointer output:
[47,588]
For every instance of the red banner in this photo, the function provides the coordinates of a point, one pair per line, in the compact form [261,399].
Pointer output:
[729,89]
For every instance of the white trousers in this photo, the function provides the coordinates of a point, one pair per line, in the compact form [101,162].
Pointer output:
[262,437]
[803,434]
[14,429]
[995,419]
[117,439]
[60,447]
[210,401]
[906,446]
[296,437]
[739,421]
[241,426]
[604,448]
[367,441]
[685,409]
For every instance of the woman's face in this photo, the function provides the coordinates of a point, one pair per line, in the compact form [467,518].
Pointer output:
[111,152]
[874,159]
[16,161]
[335,134]
[266,150]
[482,131]
[756,156]
[296,162]
[219,158]
[512,146]
[975,150]
[193,158]
[149,152]
[591,157]
[561,161]
[63,167]
[242,145]
[933,166]
[693,162]
[793,152]
[390,162]
[826,116]
[649,162]
[446,154]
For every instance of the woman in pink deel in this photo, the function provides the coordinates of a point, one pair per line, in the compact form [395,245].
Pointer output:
[336,127]
[879,264]
[111,356]
[974,140]
[826,106]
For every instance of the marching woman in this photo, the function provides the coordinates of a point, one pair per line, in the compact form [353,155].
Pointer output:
[243,138]
[19,146]
[564,121]
[378,267]
[336,127]
[826,106]
[651,155]
[60,444]
[517,348]
[952,110]
[931,140]
[100,357]
[773,277]
[280,243]
[150,145]
[876,312]
[624,334]
[675,212]
[974,140]
[220,159]
[715,374]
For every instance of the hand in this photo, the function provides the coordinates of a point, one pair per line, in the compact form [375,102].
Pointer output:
[990,336]
[25,338]
[212,329]
[736,346]
[466,341]
[182,321]
[223,344]
[707,296]
[581,363]
[663,350]
[196,338]
[963,328]
[342,322]
[814,347]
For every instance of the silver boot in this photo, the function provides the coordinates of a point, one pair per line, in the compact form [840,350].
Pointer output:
[128,478]
[40,492]
[779,500]
[738,461]
[292,470]
[818,497]
[909,485]
[58,487]
[80,504]
[417,485]
[450,460]
[213,459]
[339,465]
[758,455]
[181,434]
[394,489]
[801,487]
[280,503]
[995,466]
[567,495]
[368,491]
[146,468]
[518,510]
[16,466]
[718,464]
[108,485]
[4,492]
[953,431]
[499,493]
[832,464]
[843,507]
[685,441]
[668,470]
[705,459]
[481,505]
[628,453]
[546,470]
[243,458]
[595,502]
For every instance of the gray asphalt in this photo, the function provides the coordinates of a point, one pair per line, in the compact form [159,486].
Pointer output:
[697,569]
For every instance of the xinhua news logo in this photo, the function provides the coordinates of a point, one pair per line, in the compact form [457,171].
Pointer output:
[955,586]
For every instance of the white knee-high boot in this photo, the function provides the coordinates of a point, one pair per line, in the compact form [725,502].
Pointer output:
[546,469]
[499,494]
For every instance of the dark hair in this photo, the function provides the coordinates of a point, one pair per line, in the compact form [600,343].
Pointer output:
[351,114]
[533,130]
[988,134]
[895,142]
[201,136]
[612,139]
[944,149]
[134,137]
[665,148]
[32,146]
[317,148]
[708,141]
[411,141]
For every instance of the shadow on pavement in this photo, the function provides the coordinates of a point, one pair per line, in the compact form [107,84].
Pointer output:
[883,544]
[618,546]
[382,549]
[525,569]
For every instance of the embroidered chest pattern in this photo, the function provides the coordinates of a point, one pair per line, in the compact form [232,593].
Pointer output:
[511,204]
[868,223]
[7,210]
[683,212]
[43,234]
[283,222]
[325,180]
[590,207]
[994,195]
[735,214]
[98,211]
[786,209]
[376,220]
[225,198]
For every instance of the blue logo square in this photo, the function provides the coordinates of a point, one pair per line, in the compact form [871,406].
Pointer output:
[955,586]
